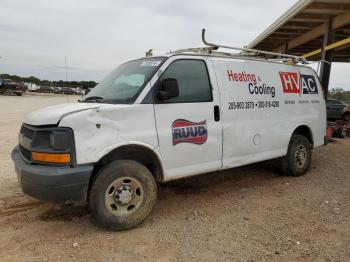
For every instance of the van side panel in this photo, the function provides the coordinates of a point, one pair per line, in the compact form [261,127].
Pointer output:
[262,105]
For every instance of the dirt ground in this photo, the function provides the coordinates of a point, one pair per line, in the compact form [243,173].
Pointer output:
[251,213]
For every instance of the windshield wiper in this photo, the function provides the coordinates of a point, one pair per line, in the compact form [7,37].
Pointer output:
[93,99]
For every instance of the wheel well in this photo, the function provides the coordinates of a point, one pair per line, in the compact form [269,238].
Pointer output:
[141,154]
[346,114]
[304,131]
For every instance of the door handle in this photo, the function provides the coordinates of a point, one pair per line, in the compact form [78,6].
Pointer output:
[216,113]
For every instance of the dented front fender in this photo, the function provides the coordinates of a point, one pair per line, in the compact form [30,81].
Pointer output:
[98,131]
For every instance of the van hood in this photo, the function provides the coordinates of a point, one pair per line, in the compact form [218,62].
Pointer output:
[53,114]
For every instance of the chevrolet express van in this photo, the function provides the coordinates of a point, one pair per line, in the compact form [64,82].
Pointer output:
[162,118]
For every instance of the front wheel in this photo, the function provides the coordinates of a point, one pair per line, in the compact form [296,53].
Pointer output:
[123,195]
[298,159]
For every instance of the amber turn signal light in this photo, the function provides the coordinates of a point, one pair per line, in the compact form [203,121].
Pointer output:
[51,157]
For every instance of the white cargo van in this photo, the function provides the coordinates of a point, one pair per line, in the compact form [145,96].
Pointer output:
[168,117]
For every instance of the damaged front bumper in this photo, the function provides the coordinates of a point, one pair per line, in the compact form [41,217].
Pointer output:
[52,183]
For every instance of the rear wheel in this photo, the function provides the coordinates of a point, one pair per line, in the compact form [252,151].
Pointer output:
[298,159]
[123,195]
[8,92]
[346,117]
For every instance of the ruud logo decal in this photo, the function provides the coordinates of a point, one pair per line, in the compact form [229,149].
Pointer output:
[190,132]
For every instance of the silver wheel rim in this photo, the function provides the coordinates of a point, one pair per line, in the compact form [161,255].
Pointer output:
[300,156]
[124,196]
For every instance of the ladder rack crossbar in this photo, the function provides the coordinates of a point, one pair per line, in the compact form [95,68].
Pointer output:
[195,50]
[211,47]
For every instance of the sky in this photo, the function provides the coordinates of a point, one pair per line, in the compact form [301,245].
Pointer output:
[96,36]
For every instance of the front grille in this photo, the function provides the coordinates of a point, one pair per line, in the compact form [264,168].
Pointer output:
[27,132]
[25,153]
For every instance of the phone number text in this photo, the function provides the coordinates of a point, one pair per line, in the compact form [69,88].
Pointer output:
[251,105]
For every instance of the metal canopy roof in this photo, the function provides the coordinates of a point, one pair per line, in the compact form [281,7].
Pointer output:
[301,30]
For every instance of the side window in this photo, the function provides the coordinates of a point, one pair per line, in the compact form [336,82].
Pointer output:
[193,81]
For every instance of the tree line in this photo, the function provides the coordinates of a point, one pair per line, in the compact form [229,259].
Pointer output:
[339,94]
[60,83]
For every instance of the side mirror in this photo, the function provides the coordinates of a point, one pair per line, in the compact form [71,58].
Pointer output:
[168,89]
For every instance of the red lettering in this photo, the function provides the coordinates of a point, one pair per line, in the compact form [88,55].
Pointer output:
[230,75]
[290,82]
[241,77]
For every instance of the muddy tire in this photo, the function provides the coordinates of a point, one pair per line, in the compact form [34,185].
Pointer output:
[346,117]
[298,159]
[8,92]
[18,94]
[123,195]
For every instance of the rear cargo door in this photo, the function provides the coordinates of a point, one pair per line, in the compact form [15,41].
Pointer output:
[313,104]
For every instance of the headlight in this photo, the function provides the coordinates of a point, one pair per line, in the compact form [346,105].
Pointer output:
[59,140]
[53,146]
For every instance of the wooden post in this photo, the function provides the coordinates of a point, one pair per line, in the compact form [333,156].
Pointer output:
[326,58]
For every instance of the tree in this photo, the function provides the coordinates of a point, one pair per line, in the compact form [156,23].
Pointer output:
[340,94]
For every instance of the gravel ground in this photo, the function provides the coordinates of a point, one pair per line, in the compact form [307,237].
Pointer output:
[252,213]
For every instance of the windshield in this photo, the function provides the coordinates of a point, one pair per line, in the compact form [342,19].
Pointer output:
[125,82]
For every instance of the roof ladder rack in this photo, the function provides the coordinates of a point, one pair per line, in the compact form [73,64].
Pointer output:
[205,50]
[211,47]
